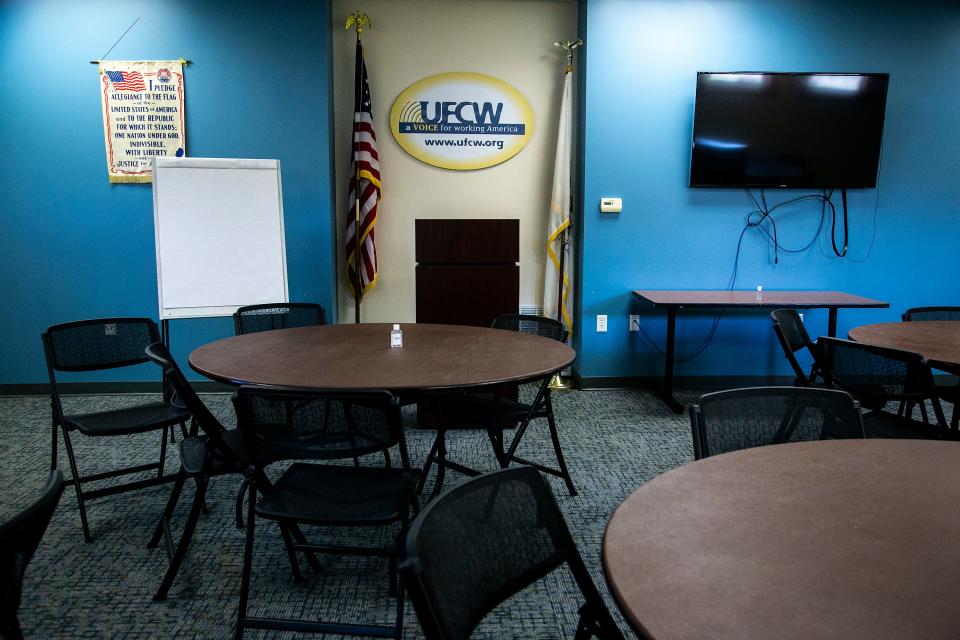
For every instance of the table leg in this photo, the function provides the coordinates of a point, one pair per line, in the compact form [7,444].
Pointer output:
[832,323]
[667,391]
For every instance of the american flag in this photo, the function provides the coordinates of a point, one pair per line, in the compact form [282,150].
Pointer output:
[364,186]
[126,80]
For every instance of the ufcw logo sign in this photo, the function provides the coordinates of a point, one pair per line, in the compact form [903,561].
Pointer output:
[461,120]
[456,117]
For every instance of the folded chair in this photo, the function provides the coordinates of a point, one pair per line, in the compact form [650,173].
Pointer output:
[217,452]
[485,540]
[281,424]
[793,339]
[95,345]
[492,410]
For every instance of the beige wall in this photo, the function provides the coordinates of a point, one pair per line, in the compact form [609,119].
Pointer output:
[411,39]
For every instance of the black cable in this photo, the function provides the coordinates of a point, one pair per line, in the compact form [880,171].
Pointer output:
[754,220]
[833,228]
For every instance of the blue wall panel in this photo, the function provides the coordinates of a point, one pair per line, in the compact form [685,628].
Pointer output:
[641,67]
[74,246]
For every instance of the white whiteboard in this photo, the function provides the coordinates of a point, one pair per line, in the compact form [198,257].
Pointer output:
[218,225]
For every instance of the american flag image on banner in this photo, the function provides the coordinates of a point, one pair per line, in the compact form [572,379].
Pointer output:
[364,186]
[126,80]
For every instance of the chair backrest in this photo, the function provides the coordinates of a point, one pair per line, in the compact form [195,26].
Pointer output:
[281,423]
[104,343]
[743,418]
[280,315]
[537,325]
[875,375]
[476,545]
[915,314]
[19,538]
[185,395]
[793,337]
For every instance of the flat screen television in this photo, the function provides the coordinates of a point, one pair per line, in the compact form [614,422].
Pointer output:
[802,130]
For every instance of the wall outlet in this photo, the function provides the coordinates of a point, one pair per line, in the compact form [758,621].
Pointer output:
[601,324]
[634,323]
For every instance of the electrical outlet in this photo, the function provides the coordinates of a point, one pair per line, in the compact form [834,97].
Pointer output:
[601,324]
[634,323]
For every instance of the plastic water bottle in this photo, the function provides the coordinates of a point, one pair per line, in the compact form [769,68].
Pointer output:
[759,293]
[396,336]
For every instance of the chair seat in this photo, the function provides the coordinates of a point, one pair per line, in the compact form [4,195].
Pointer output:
[143,417]
[338,495]
[883,424]
[193,451]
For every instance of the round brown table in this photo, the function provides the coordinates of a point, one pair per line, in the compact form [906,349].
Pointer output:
[937,340]
[356,356]
[829,539]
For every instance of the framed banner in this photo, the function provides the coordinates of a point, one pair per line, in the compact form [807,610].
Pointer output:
[142,116]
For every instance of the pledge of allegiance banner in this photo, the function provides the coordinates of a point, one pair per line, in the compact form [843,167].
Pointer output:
[142,116]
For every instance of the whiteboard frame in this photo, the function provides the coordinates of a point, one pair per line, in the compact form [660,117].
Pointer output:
[168,163]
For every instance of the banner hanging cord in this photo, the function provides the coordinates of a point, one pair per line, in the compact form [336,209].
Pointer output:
[152,30]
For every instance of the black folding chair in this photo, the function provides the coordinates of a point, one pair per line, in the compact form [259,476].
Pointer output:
[94,345]
[289,424]
[493,410]
[922,314]
[793,339]
[485,540]
[743,418]
[879,376]
[280,315]
[19,538]
[950,393]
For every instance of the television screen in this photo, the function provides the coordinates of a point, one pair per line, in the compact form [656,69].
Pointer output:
[804,130]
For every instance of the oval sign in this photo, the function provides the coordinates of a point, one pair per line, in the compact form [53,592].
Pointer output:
[461,120]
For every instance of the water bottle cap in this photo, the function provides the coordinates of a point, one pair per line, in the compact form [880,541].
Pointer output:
[396,327]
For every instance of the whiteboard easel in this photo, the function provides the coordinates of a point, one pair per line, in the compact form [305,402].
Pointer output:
[218,225]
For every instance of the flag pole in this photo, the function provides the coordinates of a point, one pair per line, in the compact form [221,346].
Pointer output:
[557,382]
[359,20]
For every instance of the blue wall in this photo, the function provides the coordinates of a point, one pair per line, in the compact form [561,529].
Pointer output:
[74,246]
[641,64]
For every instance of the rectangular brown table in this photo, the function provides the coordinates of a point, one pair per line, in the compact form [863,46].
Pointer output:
[695,299]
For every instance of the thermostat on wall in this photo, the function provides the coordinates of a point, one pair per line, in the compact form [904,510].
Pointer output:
[611,205]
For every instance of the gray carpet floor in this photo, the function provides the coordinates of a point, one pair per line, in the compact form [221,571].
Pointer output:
[613,440]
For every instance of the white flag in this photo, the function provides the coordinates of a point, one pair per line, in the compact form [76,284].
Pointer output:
[559,221]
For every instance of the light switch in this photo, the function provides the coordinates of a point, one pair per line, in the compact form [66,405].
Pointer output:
[611,205]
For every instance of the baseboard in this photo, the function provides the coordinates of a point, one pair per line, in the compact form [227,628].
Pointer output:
[104,388]
[705,383]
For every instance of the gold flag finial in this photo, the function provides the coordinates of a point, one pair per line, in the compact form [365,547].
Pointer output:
[360,21]
[569,46]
